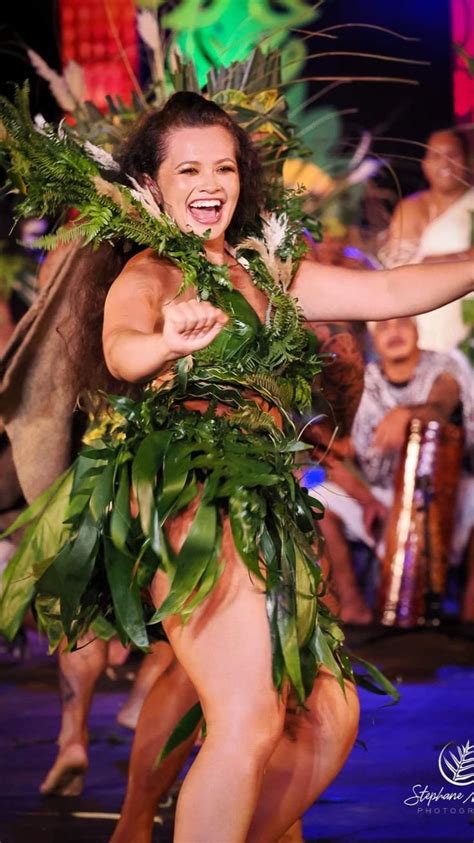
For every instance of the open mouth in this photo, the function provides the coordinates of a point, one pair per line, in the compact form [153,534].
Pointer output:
[206,211]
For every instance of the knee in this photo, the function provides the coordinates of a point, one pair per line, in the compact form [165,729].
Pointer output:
[253,724]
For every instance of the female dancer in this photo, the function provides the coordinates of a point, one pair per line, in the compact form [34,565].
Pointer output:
[200,167]
[225,647]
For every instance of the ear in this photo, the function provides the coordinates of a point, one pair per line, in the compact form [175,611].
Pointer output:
[153,188]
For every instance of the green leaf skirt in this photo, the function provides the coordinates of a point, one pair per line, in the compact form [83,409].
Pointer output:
[95,539]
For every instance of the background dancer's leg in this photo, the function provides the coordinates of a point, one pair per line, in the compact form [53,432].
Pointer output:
[169,700]
[153,665]
[78,675]
[226,651]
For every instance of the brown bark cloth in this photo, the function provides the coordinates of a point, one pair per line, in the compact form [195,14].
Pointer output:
[38,391]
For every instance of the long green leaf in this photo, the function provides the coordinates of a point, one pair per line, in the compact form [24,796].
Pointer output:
[379,684]
[191,562]
[306,602]
[176,466]
[182,732]
[102,495]
[38,548]
[145,467]
[324,655]
[73,568]
[40,503]
[121,518]
[125,595]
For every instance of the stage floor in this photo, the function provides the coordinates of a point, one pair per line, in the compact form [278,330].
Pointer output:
[366,804]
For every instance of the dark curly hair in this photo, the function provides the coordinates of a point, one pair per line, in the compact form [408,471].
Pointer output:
[146,148]
[142,153]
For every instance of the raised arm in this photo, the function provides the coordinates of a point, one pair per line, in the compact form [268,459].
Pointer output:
[334,293]
[146,328]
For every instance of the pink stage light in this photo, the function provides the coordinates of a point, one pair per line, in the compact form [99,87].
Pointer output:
[462,15]
[101,36]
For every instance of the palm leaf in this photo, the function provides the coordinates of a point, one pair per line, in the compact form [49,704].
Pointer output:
[182,732]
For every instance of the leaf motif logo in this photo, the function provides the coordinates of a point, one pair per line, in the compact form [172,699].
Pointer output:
[456,763]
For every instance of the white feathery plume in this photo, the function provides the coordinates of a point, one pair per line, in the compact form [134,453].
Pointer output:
[149,32]
[73,76]
[40,124]
[364,171]
[101,157]
[174,58]
[361,151]
[274,233]
[58,86]
[145,197]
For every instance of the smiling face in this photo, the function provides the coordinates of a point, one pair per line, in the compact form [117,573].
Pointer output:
[444,163]
[199,180]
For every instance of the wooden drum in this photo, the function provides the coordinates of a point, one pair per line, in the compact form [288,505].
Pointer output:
[415,565]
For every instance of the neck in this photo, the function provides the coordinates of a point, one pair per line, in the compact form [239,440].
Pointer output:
[215,250]
[400,371]
[441,201]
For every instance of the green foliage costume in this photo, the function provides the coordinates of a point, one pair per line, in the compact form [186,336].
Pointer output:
[84,558]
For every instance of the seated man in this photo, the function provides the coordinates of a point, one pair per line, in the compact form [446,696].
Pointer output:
[405,383]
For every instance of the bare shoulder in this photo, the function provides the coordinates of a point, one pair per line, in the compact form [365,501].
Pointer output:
[414,202]
[411,214]
[146,273]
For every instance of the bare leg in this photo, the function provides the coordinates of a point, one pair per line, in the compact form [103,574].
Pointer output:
[225,650]
[170,698]
[78,675]
[353,608]
[294,834]
[153,665]
[311,752]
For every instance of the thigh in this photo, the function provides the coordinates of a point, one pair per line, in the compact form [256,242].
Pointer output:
[330,715]
[225,647]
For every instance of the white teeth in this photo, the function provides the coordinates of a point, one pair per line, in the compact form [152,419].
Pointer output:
[206,203]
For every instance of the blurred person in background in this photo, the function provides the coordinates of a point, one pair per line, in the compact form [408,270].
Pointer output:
[437,224]
[406,382]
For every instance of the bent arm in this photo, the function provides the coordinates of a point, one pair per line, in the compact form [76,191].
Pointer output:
[146,327]
[133,346]
[333,293]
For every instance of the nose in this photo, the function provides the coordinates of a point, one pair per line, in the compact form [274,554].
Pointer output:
[210,182]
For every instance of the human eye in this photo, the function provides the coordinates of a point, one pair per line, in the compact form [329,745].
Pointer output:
[189,170]
[226,168]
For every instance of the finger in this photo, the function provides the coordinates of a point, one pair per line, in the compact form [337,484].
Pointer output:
[206,316]
[194,316]
[185,317]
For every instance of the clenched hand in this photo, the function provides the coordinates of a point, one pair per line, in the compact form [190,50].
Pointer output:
[191,325]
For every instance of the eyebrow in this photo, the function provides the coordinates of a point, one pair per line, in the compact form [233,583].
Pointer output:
[220,161]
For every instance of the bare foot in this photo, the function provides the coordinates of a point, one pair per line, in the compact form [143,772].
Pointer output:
[66,776]
[128,716]
[294,834]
